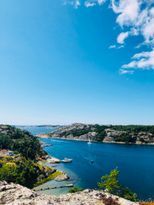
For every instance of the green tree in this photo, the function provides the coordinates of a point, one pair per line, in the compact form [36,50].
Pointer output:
[22,171]
[8,172]
[111,184]
[4,141]
[21,141]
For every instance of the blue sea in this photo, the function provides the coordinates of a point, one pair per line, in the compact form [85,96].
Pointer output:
[35,130]
[91,161]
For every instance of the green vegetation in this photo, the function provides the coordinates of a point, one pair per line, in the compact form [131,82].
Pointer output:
[128,132]
[125,137]
[119,133]
[21,141]
[127,128]
[22,171]
[75,189]
[111,184]
[23,167]
[50,177]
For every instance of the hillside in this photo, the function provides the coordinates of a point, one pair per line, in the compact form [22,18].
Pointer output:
[22,159]
[20,141]
[133,134]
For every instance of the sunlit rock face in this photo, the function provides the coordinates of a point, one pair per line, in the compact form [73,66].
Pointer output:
[14,194]
[106,133]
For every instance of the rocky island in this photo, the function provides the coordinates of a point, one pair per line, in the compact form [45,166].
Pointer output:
[129,134]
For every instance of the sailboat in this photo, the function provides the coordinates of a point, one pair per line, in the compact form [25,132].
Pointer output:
[89,142]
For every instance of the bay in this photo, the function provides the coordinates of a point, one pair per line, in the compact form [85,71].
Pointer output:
[91,161]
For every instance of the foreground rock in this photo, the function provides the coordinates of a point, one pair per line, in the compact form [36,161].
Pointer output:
[13,194]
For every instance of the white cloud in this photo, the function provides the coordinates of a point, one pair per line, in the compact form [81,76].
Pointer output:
[122,37]
[136,18]
[75,3]
[148,30]
[128,11]
[143,60]
[112,46]
[91,3]
[115,46]
[101,2]
[87,3]
[123,72]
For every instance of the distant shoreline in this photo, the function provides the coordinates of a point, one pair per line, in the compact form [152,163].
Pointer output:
[43,136]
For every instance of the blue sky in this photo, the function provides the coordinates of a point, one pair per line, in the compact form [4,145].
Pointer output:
[64,62]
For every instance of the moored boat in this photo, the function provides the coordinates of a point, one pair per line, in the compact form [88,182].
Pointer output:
[66,160]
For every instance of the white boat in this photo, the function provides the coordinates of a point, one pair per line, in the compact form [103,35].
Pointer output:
[66,160]
[89,142]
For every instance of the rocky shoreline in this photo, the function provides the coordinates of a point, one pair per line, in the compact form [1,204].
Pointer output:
[94,141]
[141,135]
[57,175]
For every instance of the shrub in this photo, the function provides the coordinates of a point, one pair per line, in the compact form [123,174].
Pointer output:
[111,184]
[75,189]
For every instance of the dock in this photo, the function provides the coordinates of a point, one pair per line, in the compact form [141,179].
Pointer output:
[54,187]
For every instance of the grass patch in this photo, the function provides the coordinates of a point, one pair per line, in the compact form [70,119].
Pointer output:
[49,178]
[75,189]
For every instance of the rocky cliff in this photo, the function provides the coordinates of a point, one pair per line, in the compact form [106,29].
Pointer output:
[133,134]
[14,194]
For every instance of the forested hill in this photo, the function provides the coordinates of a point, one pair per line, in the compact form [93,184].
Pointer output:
[20,141]
[22,158]
[136,134]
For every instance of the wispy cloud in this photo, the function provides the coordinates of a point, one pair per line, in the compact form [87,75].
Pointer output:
[74,3]
[143,60]
[91,3]
[86,3]
[124,72]
[127,11]
[122,37]
[112,46]
[116,46]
